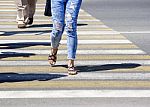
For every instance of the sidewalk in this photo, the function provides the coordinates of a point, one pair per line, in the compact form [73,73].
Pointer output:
[106,60]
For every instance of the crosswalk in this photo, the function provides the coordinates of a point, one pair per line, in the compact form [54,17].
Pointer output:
[106,60]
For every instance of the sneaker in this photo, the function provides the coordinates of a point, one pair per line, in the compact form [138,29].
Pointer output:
[30,21]
[21,24]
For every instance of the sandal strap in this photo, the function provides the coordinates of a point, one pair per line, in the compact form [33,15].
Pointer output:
[54,51]
[52,57]
[71,68]
[72,71]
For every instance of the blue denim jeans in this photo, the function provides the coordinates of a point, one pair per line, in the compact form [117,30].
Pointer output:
[64,15]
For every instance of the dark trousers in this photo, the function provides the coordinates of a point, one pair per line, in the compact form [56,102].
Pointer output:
[25,9]
[48,8]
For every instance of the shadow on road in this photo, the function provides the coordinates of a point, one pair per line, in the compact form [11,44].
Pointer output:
[40,25]
[94,68]
[49,25]
[35,32]
[23,45]
[16,77]
[15,54]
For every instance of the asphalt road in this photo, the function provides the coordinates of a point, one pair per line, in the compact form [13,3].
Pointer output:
[130,17]
[76,102]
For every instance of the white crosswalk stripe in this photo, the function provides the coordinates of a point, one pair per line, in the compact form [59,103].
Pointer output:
[36,14]
[108,76]
[65,41]
[46,26]
[83,52]
[42,20]
[75,93]
[6,1]
[78,63]
[79,33]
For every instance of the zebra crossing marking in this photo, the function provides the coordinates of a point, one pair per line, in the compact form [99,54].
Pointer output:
[75,93]
[78,63]
[81,52]
[65,41]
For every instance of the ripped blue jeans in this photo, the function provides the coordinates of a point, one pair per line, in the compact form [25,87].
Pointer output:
[64,16]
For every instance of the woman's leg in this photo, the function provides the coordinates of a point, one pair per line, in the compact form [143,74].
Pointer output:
[58,22]
[58,16]
[72,10]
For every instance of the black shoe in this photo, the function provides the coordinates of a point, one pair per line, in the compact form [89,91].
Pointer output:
[30,21]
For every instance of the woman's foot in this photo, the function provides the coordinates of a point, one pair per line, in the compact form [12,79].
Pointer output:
[53,56]
[71,68]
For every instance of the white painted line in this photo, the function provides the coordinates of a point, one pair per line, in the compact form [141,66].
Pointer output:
[74,93]
[14,15]
[3,4]
[92,27]
[11,6]
[136,32]
[105,62]
[107,76]
[65,41]
[36,14]
[14,10]
[97,32]
[8,4]
[8,27]
[45,20]
[2,10]
[79,33]
[77,63]
[6,1]
[82,52]
[8,7]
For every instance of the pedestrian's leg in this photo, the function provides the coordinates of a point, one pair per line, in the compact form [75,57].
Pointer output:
[72,10]
[58,27]
[32,7]
[22,9]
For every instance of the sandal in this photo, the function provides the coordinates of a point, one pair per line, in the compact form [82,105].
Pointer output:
[72,71]
[53,57]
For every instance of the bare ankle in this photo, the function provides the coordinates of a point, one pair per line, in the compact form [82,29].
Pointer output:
[54,51]
[71,63]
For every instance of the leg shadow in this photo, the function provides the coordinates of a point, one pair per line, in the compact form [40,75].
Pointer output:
[23,45]
[50,25]
[92,68]
[82,24]
[10,33]
[41,25]
[16,77]
[15,54]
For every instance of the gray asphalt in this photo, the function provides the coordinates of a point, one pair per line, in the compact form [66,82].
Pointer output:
[84,102]
[124,16]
